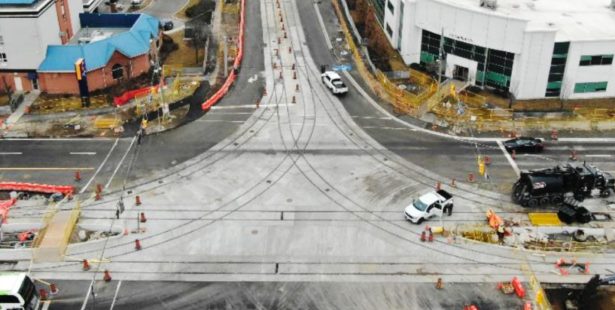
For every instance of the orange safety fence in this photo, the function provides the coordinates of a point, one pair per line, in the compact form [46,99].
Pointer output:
[236,64]
[37,188]
[5,206]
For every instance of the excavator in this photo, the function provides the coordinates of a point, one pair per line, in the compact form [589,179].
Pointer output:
[582,299]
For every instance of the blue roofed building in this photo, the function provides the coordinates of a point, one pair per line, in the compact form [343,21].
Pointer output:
[115,47]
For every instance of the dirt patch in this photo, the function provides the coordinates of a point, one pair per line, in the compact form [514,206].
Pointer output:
[180,53]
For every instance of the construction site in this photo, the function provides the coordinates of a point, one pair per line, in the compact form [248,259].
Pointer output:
[225,169]
[451,105]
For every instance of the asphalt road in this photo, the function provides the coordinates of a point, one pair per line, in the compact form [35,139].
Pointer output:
[51,161]
[277,295]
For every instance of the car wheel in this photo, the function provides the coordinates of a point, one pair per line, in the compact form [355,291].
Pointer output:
[605,193]
[556,200]
[532,203]
[544,201]
[420,221]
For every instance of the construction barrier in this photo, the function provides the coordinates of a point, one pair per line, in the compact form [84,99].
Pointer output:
[131,94]
[236,64]
[5,206]
[37,188]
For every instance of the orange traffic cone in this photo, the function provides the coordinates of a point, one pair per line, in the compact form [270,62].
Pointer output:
[143,219]
[554,135]
[513,154]
[439,284]
[453,183]
[138,200]
[487,160]
[438,186]
[471,178]
[430,236]
[423,236]
[98,188]
[107,276]
[86,265]
[43,294]
[77,176]
[137,244]
[97,197]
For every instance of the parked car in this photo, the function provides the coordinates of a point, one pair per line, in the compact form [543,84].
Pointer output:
[136,3]
[524,145]
[333,81]
[431,204]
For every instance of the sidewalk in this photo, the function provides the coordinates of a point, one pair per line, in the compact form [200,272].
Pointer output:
[28,100]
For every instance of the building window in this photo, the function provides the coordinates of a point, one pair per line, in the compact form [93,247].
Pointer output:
[592,87]
[596,60]
[3,57]
[558,67]
[391,7]
[389,30]
[117,72]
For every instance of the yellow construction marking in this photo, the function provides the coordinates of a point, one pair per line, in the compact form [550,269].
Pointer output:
[45,168]
[544,219]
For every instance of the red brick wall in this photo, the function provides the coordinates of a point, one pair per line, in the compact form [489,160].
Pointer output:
[66,83]
[64,20]
[9,77]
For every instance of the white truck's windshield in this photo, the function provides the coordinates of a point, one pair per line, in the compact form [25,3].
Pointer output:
[419,205]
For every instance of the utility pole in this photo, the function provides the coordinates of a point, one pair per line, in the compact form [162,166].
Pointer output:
[440,58]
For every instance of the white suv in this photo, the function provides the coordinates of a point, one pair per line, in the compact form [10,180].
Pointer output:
[333,81]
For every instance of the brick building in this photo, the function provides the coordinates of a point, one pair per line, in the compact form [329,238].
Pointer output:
[26,28]
[115,47]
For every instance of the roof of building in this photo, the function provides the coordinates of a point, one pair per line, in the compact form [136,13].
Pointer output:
[133,42]
[573,20]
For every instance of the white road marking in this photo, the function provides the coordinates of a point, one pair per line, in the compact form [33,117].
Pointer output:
[100,167]
[11,153]
[46,305]
[117,290]
[599,155]
[509,158]
[121,161]
[87,295]
[83,153]
[253,79]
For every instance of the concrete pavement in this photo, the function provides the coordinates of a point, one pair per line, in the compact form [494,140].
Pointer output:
[298,193]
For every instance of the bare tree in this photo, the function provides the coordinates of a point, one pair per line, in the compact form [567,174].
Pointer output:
[200,33]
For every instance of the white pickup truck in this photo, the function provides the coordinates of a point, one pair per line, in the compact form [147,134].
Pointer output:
[429,205]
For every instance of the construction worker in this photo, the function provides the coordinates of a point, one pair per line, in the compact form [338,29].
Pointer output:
[500,232]
[140,134]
